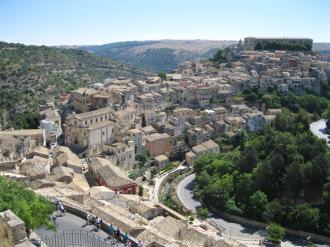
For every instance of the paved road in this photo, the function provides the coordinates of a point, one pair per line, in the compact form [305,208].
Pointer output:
[70,222]
[318,129]
[243,234]
[185,193]
[158,180]
[67,223]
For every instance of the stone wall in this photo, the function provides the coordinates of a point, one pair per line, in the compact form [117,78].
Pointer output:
[8,165]
[12,230]
[259,225]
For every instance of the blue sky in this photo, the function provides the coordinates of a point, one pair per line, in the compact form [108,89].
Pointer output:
[69,22]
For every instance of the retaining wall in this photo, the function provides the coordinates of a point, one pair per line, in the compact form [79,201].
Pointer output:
[259,225]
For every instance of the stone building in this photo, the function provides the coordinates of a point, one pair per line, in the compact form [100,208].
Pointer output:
[122,154]
[51,123]
[90,130]
[254,121]
[15,144]
[157,144]
[111,176]
[12,231]
[89,99]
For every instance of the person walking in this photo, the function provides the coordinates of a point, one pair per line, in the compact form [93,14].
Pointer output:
[125,238]
[57,203]
[54,219]
[62,209]
[111,231]
[140,244]
[118,234]
[98,223]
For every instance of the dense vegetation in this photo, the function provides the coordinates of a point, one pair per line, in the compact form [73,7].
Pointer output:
[34,210]
[281,176]
[312,103]
[220,56]
[282,45]
[31,75]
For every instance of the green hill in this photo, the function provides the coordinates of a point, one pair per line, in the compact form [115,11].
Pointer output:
[31,75]
[159,55]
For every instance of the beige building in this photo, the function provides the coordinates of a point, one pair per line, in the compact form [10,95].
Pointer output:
[121,154]
[90,129]
[136,136]
[51,123]
[109,175]
[157,144]
[63,156]
[89,99]
[15,144]
[234,123]
[200,149]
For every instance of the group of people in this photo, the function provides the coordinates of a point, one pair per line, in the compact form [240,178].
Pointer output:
[112,232]
[94,220]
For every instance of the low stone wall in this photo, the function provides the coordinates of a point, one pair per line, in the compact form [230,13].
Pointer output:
[8,165]
[259,225]
[83,214]
[172,176]
[12,230]
[169,177]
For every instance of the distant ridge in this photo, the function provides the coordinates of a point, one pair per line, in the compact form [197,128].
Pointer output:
[166,55]
[159,55]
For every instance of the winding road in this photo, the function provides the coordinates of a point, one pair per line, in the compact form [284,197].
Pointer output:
[246,235]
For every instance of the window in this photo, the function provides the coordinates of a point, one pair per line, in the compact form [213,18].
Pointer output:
[75,122]
[101,118]
[103,133]
[91,121]
[85,122]
[96,120]
[105,117]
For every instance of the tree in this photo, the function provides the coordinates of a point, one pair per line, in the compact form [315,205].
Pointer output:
[32,209]
[203,179]
[304,217]
[232,208]
[203,212]
[140,190]
[142,158]
[162,75]
[143,121]
[251,97]
[328,124]
[243,186]
[275,233]
[257,204]
[273,212]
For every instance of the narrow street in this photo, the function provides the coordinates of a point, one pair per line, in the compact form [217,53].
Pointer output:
[153,196]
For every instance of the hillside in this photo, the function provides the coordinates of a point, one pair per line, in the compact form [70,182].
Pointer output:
[323,48]
[31,75]
[159,55]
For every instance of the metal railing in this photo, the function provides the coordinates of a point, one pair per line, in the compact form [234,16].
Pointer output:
[78,238]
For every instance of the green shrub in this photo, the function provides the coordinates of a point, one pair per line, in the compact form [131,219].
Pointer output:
[34,210]
[275,233]
[203,212]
